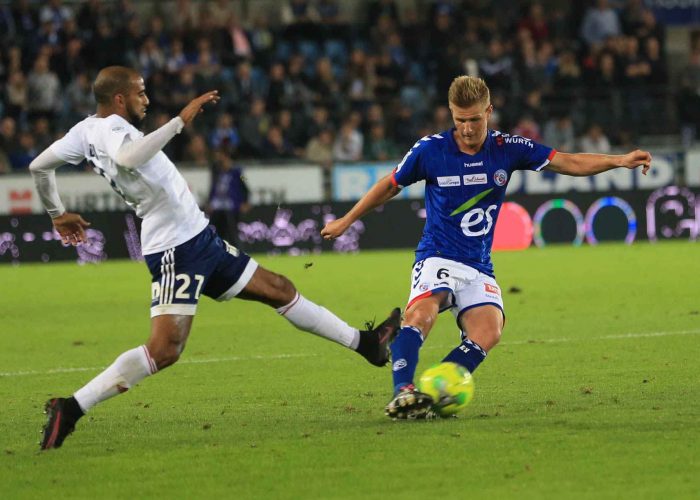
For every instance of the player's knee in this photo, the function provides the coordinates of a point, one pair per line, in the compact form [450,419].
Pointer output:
[284,289]
[421,319]
[166,354]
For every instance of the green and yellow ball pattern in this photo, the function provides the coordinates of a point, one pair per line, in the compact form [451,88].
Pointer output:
[450,385]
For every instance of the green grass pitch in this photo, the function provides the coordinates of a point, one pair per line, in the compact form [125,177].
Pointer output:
[592,393]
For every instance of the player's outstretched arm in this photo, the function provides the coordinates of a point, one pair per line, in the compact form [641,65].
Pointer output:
[195,106]
[583,164]
[135,153]
[380,193]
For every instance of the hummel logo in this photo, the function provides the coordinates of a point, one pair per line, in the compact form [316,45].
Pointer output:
[475,164]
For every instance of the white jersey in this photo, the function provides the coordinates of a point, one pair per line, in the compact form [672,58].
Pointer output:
[155,190]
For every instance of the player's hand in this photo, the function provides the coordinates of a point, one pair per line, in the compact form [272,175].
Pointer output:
[71,228]
[334,229]
[636,159]
[194,107]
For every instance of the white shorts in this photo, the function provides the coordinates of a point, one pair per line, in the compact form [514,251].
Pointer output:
[468,287]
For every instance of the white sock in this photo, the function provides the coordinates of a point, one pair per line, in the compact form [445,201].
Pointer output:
[310,317]
[127,370]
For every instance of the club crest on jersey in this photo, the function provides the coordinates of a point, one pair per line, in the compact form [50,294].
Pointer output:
[500,177]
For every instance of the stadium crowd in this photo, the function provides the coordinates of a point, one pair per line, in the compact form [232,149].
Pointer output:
[307,81]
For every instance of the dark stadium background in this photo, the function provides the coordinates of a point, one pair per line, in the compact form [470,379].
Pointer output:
[336,85]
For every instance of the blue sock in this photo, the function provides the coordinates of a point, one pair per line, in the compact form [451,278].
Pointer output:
[404,353]
[467,354]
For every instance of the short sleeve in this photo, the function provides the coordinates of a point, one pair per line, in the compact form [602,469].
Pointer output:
[69,148]
[531,155]
[412,168]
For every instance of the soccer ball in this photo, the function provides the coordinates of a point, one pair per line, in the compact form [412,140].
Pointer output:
[450,385]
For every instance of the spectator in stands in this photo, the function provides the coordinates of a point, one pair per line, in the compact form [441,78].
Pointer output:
[16,95]
[636,71]
[320,148]
[325,87]
[150,57]
[43,90]
[348,143]
[497,67]
[559,133]
[55,13]
[689,96]
[225,133]
[253,129]
[360,80]
[262,39]
[527,127]
[378,147]
[237,46]
[276,146]
[8,134]
[280,90]
[535,23]
[22,155]
[228,196]
[41,133]
[599,23]
[197,152]
[5,167]
[594,141]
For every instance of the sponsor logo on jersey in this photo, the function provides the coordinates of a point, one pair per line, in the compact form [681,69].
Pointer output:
[449,181]
[475,179]
[478,222]
[471,202]
[117,129]
[474,164]
[500,177]
[516,139]
[423,287]
[489,288]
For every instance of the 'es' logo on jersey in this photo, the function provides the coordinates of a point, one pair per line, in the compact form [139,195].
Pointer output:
[500,177]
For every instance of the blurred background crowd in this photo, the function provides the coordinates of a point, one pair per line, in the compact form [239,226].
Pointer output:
[338,81]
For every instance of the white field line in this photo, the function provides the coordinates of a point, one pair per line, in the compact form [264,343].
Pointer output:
[312,355]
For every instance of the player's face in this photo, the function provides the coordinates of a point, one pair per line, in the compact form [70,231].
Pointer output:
[470,124]
[136,102]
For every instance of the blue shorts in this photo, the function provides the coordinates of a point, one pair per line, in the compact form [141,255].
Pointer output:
[206,264]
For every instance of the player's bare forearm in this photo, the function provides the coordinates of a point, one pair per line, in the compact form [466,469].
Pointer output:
[585,164]
[378,194]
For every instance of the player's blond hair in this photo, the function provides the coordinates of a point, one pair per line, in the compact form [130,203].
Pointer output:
[466,91]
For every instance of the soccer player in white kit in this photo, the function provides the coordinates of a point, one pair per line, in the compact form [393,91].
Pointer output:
[186,257]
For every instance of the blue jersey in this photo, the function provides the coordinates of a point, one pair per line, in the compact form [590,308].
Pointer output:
[464,193]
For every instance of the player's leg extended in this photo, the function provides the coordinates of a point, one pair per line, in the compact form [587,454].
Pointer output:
[481,327]
[419,319]
[408,403]
[168,336]
[279,292]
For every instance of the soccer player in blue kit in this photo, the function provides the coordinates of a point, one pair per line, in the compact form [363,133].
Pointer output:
[184,254]
[466,172]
